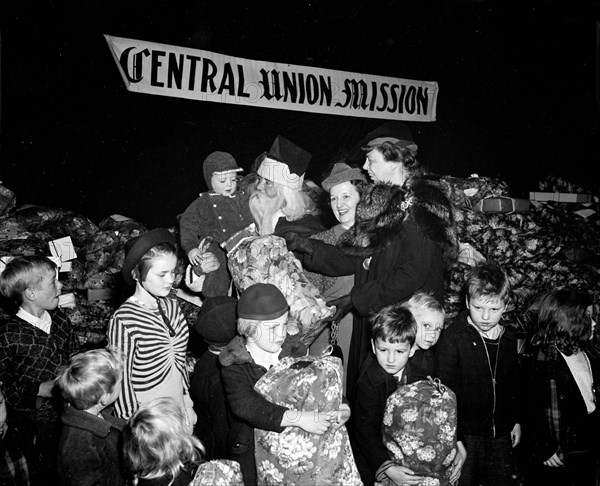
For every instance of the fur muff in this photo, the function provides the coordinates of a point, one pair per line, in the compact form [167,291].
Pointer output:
[384,209]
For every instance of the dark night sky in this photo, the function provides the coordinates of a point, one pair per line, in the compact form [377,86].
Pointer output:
[517,96]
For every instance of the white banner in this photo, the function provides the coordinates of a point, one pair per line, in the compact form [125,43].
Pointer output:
[161,69]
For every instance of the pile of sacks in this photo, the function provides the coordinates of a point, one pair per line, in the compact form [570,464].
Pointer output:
[550,246]
[29,230]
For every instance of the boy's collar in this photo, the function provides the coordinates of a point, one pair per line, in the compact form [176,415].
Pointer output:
[44,322]
[493,333]
[262,357]
[217,194]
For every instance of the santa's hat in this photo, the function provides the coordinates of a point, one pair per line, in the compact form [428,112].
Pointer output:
[285,163]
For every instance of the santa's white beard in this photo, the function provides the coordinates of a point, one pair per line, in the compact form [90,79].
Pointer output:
[266,211]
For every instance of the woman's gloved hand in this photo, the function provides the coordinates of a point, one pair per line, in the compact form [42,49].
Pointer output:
[298,243]
[342,307]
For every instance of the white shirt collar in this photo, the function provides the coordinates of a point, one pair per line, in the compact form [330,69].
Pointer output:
[262,357]
[44,323]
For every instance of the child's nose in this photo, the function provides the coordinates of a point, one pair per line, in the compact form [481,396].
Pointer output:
[366,164]
[486,314]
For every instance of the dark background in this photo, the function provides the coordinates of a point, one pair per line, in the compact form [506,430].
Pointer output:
[517,97]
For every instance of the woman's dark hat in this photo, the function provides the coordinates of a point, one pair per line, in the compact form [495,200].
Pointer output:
[217,321]
[395,132]
[261,302]
[136,248]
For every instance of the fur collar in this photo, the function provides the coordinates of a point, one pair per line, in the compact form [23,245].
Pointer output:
[384,209]
[235,352]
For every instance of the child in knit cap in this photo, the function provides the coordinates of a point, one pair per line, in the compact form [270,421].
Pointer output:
[217,325]
[210,220]
[262,325]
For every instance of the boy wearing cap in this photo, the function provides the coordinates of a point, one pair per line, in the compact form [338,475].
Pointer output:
[210,220]
[262,317]
[217,325]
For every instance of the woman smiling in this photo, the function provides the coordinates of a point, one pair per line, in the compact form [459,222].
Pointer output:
[344,185]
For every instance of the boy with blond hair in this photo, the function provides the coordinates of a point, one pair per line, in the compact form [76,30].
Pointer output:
[34,343]
[89,451]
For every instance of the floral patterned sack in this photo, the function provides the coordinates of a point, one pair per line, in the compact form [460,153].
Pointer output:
[265,259]
[221,472]
[419,429]
[295,457]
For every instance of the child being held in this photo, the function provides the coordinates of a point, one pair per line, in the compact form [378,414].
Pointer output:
[262,325]
[159,450]
[210,220]
[34,344]
[393,334]
[89,451]
[477,358]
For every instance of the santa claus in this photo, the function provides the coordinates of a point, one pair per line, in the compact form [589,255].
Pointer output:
[281,201]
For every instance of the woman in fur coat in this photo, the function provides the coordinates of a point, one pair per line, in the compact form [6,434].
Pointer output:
[402,241]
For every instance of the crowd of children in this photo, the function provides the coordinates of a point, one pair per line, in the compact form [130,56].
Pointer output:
[548,399]
[128,414]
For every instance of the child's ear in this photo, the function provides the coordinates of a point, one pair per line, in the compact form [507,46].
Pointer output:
[29,294]
[105,400]
[373,345]
[467,300]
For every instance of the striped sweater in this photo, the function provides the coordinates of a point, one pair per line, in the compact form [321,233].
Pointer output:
[150,352]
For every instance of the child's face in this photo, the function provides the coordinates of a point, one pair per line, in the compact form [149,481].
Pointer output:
[486,311]
[392,357]
[47,291]
[225,183]
[269,335]
[161,275]
[429,327]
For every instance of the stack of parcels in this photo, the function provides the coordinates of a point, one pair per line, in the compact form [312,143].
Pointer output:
[550,246]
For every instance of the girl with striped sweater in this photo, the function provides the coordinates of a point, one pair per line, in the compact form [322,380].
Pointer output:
[150,327]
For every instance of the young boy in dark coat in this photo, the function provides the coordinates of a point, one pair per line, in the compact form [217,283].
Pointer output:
[217,324]
[477,358]
[89,452]
[262,325]
[393,331]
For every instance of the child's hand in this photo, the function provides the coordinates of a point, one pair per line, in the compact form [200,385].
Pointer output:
[45,389]
[401,475]
[194,256]
[309,420]
[515,435]
[209,262]
[458,462]
[339,418]
[554,461]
